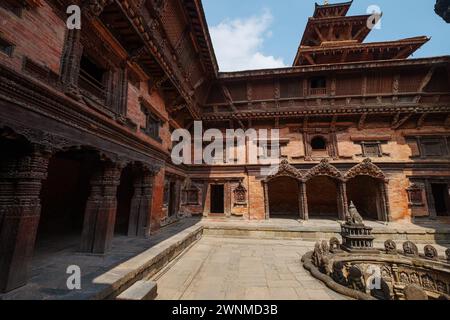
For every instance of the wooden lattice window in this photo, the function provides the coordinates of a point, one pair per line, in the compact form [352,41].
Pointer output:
[152,124]
[432,147]
[371,149]
[415,195]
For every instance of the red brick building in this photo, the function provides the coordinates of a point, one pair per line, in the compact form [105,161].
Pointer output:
[86,118]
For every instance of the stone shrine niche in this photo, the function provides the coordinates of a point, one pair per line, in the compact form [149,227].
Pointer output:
[191,195]
[240,195]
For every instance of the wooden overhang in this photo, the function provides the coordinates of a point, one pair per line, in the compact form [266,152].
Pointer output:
[349,52]
[335,9]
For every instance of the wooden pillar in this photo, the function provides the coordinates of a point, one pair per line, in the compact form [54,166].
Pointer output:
[140,209]
[20,209]
[385,198]
[70,62]
[101,207]
[303,201]
[266,199]
[342,200]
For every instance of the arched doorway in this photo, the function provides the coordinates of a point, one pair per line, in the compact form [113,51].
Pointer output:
[366,187]
[283,198]
[322,195]
[365,193]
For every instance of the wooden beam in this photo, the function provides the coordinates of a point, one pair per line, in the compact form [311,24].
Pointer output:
[421,120]
[334,122]
[319,34]
[447,121]
[362,121]
[401,54]
[402,121]
[229,99]
[426,80]
[310,59]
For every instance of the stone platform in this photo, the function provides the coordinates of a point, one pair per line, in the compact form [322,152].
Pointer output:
[424,231]
[133,259]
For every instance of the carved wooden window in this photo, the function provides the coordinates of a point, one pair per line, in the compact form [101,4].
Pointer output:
[415,195]
[432,147]
[92,79]
[6,47]
[152,124]
[371,149]
[192,196]
[318,86]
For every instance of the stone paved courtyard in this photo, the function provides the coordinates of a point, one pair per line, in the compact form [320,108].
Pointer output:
[242,269]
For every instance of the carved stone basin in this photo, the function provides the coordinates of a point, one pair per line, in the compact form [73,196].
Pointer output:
[387,274]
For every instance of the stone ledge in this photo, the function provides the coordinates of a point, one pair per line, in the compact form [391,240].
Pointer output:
[141,290]
[143,266]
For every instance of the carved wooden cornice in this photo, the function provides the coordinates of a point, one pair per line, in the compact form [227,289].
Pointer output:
[302,112]
[348,66]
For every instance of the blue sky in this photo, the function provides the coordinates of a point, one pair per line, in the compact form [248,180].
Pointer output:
[254,34]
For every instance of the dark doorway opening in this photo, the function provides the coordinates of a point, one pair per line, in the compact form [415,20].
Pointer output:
[365,193]
[322,198]
[441,199]
[125,193]
[217,199]
[64,196]
[283,198]
[172,199]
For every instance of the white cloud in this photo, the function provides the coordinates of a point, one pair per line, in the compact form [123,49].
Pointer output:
[238,43]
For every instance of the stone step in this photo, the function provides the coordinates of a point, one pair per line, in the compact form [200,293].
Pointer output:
[141,290]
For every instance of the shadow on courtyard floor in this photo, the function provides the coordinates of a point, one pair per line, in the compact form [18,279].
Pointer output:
[48,276]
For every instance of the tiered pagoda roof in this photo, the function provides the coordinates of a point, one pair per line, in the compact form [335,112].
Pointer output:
[333,37]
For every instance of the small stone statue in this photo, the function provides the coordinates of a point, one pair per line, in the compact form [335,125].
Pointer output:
[356,279]
[325,247]
[335,245]
[338,274]
[409,248]
[317,255]
[390,246]
[353,216]
[430,252]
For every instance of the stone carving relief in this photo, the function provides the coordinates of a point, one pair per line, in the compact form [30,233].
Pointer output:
[324,169]
[390,247]
[409,248]
[366,168]
[240,195]
[430,252]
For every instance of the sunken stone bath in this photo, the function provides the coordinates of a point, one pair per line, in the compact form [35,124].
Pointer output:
[360,271]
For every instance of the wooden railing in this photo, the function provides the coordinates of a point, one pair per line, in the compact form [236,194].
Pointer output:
[318,91]
[91,86]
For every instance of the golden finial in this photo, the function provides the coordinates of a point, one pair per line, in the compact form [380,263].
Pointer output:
[325,2]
